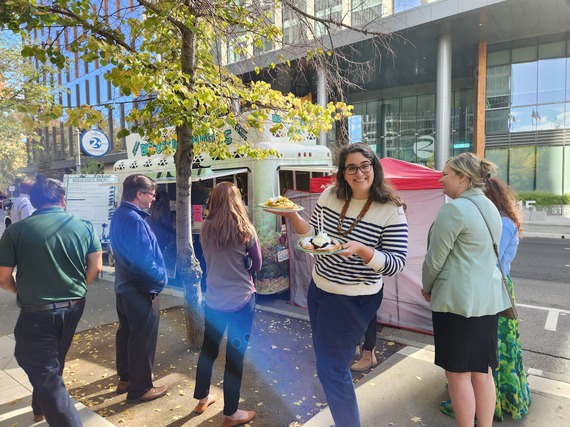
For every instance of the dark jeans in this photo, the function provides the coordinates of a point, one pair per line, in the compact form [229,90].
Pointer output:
[370,335]
[43,339]
[338,323]
[239,324]
[135,342]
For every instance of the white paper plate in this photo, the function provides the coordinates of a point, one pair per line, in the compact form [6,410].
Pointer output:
[310,251]
[274,209]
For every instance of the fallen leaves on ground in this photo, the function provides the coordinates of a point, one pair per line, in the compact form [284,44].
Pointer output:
[279,379]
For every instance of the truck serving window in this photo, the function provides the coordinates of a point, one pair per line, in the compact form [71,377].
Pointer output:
[298,179]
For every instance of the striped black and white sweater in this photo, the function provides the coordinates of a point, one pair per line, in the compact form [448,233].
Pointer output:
[384,228]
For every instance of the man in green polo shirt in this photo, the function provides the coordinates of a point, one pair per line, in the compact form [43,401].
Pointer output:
[57,255]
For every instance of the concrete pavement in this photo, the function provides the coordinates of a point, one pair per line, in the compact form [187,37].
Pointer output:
[552,227]
[404,390]
[15,389]
[407,388]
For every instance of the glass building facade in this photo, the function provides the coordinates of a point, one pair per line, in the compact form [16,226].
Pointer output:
[404,127]
[527,125]
[517,115]
[82,83]
[526,112]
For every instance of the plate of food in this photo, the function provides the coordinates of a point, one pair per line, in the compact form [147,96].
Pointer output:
[321,244]
[280,204]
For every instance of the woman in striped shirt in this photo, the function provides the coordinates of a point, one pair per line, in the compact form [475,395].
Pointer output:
[365,214]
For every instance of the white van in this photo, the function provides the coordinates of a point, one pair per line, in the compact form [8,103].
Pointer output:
[258,180]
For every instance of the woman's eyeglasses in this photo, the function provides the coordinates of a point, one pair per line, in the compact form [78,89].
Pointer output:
[364,168]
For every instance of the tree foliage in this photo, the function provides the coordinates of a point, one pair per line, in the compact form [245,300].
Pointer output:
[12,150]
[168,55]
[20,92]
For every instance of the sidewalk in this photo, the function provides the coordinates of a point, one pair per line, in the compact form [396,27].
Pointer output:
[15,389]
[407,388]
[553,227]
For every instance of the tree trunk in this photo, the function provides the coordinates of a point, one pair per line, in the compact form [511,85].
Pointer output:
[187,267]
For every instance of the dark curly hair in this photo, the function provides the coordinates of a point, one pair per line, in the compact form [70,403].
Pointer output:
[503,197]
[380,191]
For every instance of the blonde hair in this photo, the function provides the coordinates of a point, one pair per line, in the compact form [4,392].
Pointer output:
[476,169]
[227,224]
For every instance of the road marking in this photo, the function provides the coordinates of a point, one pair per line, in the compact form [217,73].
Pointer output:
[551,317]
[535,372]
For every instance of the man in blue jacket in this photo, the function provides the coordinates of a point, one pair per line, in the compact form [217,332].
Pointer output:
[140,276]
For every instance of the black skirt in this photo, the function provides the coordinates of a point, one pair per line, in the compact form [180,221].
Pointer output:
[465,344]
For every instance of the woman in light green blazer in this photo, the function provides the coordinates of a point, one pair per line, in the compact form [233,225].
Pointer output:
[463,285]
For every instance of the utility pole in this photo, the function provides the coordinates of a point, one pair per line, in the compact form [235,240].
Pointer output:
[78,153]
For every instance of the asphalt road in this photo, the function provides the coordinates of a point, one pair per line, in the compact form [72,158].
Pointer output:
[543,259]
[541,275]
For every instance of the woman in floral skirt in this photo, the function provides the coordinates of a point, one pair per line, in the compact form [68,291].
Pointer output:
[513,392]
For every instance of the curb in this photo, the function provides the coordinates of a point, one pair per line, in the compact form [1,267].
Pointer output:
[539,235]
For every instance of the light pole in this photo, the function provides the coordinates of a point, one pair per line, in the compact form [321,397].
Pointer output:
[78,154]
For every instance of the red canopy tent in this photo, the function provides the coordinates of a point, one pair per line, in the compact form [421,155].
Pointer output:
[403,305]
[410,176]
[402,175]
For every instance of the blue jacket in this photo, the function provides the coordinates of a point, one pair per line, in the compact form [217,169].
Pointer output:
[139,265]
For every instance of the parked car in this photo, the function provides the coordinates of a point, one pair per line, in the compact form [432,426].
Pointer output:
[7,206]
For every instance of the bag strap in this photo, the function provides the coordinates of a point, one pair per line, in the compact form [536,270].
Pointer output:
[496,249]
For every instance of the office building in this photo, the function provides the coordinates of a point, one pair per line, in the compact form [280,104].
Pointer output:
[488,76]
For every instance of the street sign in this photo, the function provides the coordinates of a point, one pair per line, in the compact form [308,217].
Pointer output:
[11,188]
[95,143]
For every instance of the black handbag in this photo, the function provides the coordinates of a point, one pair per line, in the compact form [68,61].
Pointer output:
[511,312]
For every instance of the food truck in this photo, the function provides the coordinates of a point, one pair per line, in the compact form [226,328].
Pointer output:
[296,166]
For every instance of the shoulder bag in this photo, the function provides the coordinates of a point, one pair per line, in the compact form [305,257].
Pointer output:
[511,312]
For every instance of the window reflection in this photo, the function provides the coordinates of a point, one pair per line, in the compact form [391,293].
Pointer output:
[401,5]
[497,121]
[521,167]
[549,169]
[550,117]
[568,78]
[500,157]
[523,119]
[523,83]
[527,112]
[551,80]
[404,128]
[566,176]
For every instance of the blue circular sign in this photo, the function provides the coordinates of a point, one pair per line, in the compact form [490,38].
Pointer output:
[95,143]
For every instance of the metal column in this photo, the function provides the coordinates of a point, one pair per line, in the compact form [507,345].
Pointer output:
[443,101]
[322,99]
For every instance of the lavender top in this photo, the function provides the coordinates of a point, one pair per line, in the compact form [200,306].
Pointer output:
[229,284]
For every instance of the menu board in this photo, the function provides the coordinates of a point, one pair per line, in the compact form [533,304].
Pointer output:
[92,198]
